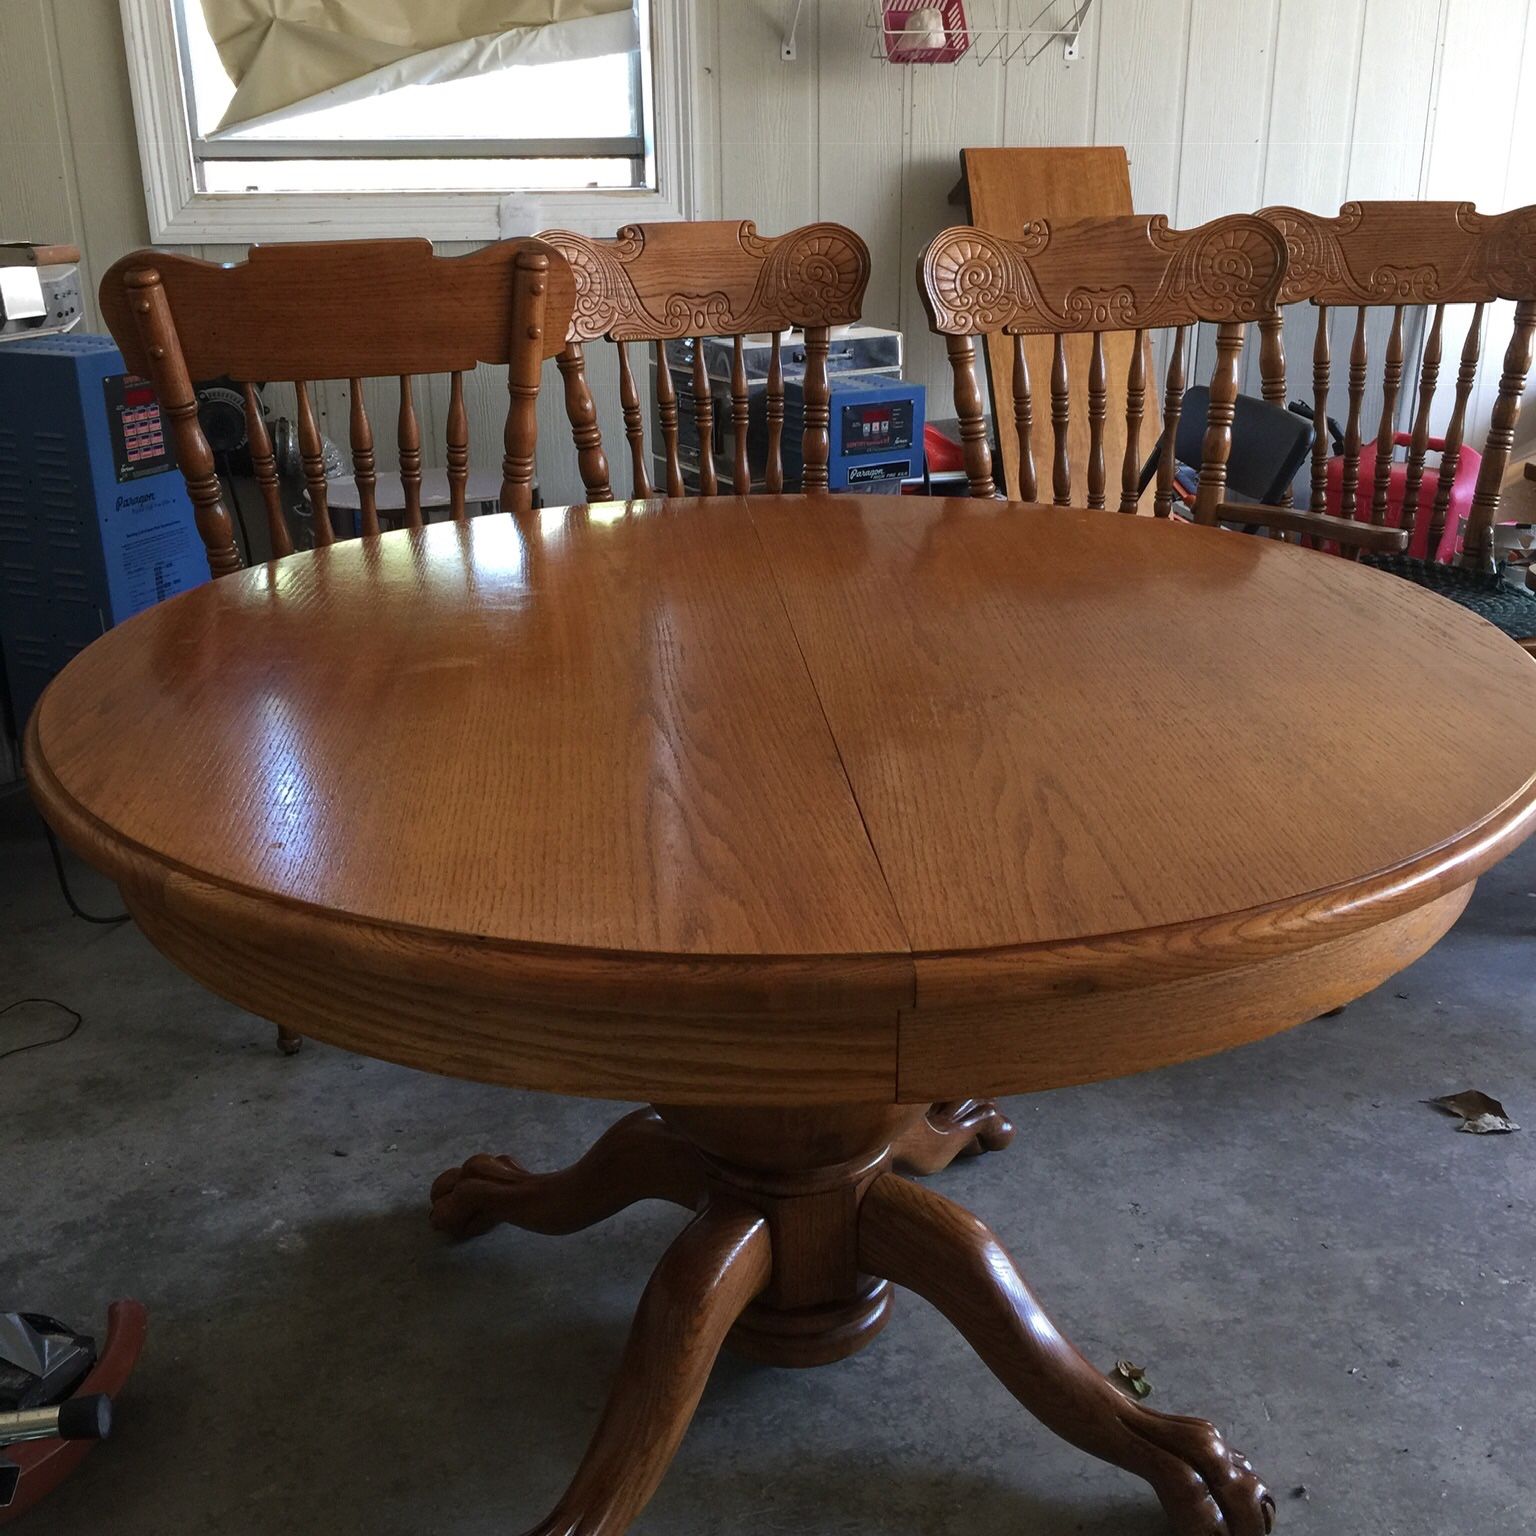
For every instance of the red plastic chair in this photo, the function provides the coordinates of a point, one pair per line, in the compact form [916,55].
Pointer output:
[1463,485]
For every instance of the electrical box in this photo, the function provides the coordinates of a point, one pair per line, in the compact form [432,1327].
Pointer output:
[95,522]
[877,434]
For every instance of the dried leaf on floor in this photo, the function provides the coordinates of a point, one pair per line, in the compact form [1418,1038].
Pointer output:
[1131,1379]
[1480,1113]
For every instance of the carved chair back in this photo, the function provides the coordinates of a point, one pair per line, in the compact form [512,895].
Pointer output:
[658,283]
[344,310]
[1101,276]
[1400,255]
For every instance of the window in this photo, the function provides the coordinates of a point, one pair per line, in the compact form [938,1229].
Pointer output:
[448,142]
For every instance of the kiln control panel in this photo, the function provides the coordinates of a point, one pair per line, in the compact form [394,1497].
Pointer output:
[877,434]
[876,427]
[139,443]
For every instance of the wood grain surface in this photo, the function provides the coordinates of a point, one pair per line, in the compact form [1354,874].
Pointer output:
[1055,733]
[794,801]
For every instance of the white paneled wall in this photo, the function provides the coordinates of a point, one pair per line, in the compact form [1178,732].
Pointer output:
[1223,105]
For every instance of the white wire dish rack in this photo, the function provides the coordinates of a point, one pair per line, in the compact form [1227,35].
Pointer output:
[983,31]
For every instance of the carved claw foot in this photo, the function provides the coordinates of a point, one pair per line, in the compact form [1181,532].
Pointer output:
[1206,1488]
[638,1158]
[914,1237]
[713,1269]
[954,1128]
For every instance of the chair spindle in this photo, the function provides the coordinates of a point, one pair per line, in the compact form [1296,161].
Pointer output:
[408,438]
[1024,422]
[1272,359]
[1322,370]
[1418,442]
[704,421]
[313,457]
[741,472]
[1061,406]
[1272,381]
[666,415]
[1450,455]
[1391,382]
[458,448]
[1217,446]
[1098,408]
[581,412]
[773,470]
[634,425]
[360,430]
[264,467]
[1173,408]
[1135,404]
[1359,362]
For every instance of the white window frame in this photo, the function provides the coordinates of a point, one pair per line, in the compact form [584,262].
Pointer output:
[180,213]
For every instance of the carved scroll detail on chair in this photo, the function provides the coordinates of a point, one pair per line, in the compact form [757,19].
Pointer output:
[1226,270]
[1456,254]
[812,276]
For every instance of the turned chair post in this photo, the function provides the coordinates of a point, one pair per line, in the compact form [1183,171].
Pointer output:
[167,371]
[1418,443]
[1216,448]
[581,412]
[264,468]
[1024,421]
[973,430]
[1173,410]
[1478,552]
[529,308]
[1135,403]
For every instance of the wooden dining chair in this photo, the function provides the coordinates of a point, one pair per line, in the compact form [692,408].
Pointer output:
[351,310]
[1097,277]
[660,283]
[1402,256]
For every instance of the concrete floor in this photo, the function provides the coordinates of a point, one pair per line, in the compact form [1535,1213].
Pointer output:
[1288,1240]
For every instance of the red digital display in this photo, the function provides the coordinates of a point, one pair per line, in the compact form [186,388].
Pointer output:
[143,394]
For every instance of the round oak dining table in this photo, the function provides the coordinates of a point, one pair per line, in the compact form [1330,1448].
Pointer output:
[811,823]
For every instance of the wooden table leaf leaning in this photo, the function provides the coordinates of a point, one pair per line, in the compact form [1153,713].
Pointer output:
[788,816]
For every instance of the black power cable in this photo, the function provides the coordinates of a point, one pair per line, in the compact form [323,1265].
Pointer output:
[47,1002]
[69,897]
[58,869]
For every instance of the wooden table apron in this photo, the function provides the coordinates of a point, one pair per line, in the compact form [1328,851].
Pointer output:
[792,816]
[771,802]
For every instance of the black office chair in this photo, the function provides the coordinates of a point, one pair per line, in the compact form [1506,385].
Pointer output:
[1269,446]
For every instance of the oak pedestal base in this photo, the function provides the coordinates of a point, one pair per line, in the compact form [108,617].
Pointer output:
[803,1228]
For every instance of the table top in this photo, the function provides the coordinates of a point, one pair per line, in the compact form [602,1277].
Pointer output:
[787,760]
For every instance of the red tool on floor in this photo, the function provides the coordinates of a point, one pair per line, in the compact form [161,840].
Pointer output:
[41,1443]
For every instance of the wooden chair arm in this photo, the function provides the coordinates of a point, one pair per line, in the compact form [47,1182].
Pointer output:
[1343,530]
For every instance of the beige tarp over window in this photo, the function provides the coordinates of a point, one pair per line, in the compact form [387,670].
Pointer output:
[281,53]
